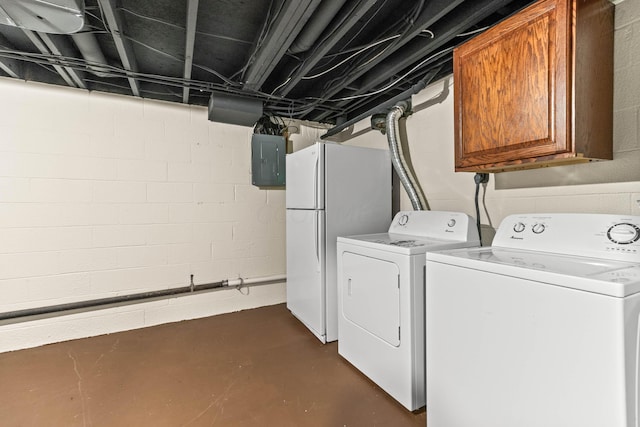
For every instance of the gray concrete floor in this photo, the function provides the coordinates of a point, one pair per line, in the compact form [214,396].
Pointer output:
[256,367]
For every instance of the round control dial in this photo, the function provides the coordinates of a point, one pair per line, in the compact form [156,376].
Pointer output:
[451,222]
[519,227]
[623,233]
[538,228]
[403,219]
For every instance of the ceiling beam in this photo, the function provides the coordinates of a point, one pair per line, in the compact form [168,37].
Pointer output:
[290,20]
[338,31]
[123,45]
[358,106]
[192,17]
[61,47]
[432,12]
[42,47]
[12,67]
[384,105]
[444,31]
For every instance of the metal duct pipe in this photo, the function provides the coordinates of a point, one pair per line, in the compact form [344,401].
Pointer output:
[326,11]
[407,179]
[90,50]
[133,298]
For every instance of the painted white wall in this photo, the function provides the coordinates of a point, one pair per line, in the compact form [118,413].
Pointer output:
[104,195]
[603,187]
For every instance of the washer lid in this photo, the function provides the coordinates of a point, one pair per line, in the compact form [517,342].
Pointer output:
[403,243]
[603,276]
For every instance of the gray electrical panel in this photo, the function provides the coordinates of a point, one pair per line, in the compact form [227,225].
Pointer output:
[267,160]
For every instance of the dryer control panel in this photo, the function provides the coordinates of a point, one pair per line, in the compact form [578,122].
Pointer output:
[592,235]
[435,224]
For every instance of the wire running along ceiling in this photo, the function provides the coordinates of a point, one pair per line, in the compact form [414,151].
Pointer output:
[325,61]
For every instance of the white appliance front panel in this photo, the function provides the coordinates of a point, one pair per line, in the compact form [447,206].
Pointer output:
[306,293]
[615,237]
[371,296]
[305,178]
[437,225]
[397,369]
[504,351]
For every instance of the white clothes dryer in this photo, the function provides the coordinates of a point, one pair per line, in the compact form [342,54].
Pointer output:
[381,297]
[541,329]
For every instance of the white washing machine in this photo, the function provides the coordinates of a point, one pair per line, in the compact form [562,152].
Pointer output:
[541,329]
[381,297]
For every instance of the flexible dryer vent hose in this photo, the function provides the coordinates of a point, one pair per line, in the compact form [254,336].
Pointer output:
[407,179]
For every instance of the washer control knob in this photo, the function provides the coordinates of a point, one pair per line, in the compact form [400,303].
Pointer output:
[519,227]
[624,233]
[538,228]
[403,219]
[451,222]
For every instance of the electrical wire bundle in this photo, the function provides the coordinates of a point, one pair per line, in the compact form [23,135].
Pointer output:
[270,125]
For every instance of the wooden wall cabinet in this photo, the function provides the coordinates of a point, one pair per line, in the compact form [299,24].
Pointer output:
[536,89]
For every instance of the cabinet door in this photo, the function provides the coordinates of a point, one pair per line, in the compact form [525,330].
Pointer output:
[512,89]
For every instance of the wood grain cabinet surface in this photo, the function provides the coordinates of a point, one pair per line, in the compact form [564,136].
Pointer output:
[536,89]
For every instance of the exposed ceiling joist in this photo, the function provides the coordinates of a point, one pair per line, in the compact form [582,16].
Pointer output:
[12,67]
[192,18]
[39,44]
[383,106]
[323,60]
[432,12]
[369,102]
[60,46]
[123,45]
[336,33]
[444,31]
[289,22]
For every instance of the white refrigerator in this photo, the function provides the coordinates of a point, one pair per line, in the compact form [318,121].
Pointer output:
[332,190]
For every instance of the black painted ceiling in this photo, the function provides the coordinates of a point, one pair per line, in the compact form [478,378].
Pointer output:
[325,61]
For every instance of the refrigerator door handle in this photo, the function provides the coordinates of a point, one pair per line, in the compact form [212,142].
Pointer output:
[315,183]
[316,239]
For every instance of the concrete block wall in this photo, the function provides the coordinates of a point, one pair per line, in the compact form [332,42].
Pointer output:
[603,187]
[103,195]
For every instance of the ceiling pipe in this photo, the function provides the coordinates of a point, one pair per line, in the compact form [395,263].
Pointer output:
[288,23]
[382,107]
[323,15]
[434,70]
[433,11]
[338,28]
[90,50]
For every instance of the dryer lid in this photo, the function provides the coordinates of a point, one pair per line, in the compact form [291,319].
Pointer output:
[603,276]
